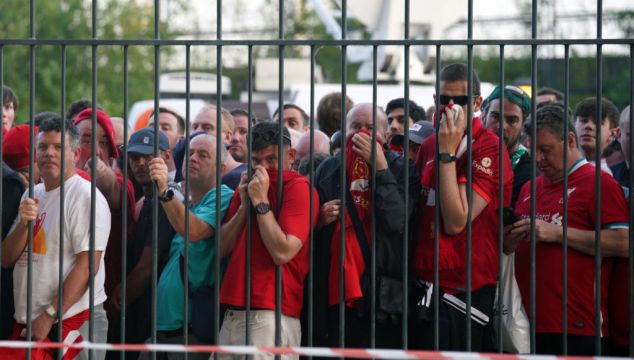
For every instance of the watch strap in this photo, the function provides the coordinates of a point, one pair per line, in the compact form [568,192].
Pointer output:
[50,310]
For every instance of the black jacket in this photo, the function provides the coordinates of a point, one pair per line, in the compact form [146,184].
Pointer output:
[12,190]
[390,223]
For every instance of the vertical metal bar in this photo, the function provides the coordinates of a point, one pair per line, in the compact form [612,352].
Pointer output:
[564,243]
[406,186]
[436,292]
[469,174]
[280,151]
[124,202]
[342,179]
[187,203]
[217,233]
[248,249]
[62,192]
[373,214]
[29,272]
[93,198]
[311,251]
[155,189]
[500,339]
[93,184]
[597,226]
[630,267]
[533,175]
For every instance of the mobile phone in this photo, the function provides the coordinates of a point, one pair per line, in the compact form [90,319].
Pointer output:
[508,216]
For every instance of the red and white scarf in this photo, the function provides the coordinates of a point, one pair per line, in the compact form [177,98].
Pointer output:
[358,181]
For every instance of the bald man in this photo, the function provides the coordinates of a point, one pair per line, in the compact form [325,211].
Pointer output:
[387,200]
[321,146]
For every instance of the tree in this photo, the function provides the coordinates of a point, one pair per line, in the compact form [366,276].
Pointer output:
[71,19]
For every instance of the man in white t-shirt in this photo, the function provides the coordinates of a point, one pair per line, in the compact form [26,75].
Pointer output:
[44,210]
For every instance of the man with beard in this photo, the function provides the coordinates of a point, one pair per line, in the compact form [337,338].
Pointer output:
[517,109]
[139,256]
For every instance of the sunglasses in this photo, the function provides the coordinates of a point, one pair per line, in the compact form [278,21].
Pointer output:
[462,100]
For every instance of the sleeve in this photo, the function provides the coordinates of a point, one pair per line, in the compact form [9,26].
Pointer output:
[485,167]
[389,196]
[207,210]
[78,222]
[12,193]
[613,205]
[294,218]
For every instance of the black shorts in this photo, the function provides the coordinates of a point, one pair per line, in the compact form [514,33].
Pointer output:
[452,323]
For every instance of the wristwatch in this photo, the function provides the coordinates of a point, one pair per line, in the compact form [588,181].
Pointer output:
[167,195]
[50,311]
[446,157]
[262,208]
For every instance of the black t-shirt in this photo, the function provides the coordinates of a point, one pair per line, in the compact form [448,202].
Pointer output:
[12,190]
[142,235]
[138,322]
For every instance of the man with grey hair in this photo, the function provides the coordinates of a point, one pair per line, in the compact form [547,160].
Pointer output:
[201,247]
[387,201]
[44,212]
[550,142]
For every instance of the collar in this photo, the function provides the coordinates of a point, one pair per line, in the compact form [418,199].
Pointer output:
[578,164]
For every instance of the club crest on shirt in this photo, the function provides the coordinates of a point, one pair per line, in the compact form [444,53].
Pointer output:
[482,167]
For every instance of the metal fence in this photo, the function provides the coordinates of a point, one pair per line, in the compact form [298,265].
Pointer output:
[344,43]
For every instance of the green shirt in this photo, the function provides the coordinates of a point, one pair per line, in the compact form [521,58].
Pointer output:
[200,265]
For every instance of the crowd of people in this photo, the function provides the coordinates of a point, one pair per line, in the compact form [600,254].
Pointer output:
[209,231]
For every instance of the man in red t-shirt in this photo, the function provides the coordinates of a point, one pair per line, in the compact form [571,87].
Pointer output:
[452,167]
[279,237]
[550,142]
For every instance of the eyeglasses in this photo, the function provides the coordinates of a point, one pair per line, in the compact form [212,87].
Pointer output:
[462,100]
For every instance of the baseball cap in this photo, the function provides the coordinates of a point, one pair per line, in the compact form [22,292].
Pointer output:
[420,131]
[142,142]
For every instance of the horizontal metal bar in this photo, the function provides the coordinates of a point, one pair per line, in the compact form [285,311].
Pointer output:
[347,42]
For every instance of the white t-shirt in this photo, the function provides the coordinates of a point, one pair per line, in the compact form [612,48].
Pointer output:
[46,239]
